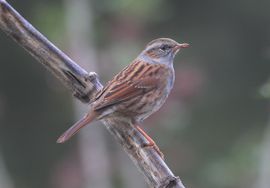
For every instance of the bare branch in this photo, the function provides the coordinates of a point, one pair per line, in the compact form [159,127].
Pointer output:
[73,76]
[84,86]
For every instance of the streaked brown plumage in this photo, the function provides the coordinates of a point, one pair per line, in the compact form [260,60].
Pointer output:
[138,90]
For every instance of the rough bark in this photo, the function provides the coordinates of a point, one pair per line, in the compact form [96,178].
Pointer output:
[84,86]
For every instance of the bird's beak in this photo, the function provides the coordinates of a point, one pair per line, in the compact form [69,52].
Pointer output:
[179,46]
[184,45]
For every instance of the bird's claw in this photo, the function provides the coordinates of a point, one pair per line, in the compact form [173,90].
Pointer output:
[155,147]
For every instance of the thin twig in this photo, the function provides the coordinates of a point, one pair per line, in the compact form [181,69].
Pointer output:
[84,86]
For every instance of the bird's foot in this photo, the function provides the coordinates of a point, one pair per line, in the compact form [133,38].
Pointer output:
[150,143]
[155,147]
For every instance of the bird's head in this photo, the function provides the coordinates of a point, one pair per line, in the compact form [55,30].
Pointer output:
[163,50]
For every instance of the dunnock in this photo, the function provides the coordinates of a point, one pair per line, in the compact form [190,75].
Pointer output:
[138,90]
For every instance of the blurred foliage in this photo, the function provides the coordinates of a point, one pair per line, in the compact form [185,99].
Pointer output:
[49,20]
[140,9]
[211,134]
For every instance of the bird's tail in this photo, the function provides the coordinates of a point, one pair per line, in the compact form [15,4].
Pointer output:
[89,117]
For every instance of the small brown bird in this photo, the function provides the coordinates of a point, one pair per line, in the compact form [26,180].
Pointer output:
[138,90]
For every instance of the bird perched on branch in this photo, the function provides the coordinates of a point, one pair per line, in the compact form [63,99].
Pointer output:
[138,90]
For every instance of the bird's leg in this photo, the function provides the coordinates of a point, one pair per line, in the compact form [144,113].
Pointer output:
[151,142]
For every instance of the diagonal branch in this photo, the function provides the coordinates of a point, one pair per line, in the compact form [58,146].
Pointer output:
[73,76]
[84,86]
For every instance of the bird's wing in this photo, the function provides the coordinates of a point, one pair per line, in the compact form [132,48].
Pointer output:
[130,86]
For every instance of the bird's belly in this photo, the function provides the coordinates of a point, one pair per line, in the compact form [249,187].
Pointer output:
[154,105]
[142,107]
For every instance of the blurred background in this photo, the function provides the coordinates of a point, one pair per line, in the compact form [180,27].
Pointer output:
[214,129]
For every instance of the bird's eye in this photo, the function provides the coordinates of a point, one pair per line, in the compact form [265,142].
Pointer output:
[164,47]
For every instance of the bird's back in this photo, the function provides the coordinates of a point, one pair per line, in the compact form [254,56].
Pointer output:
[137,91]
